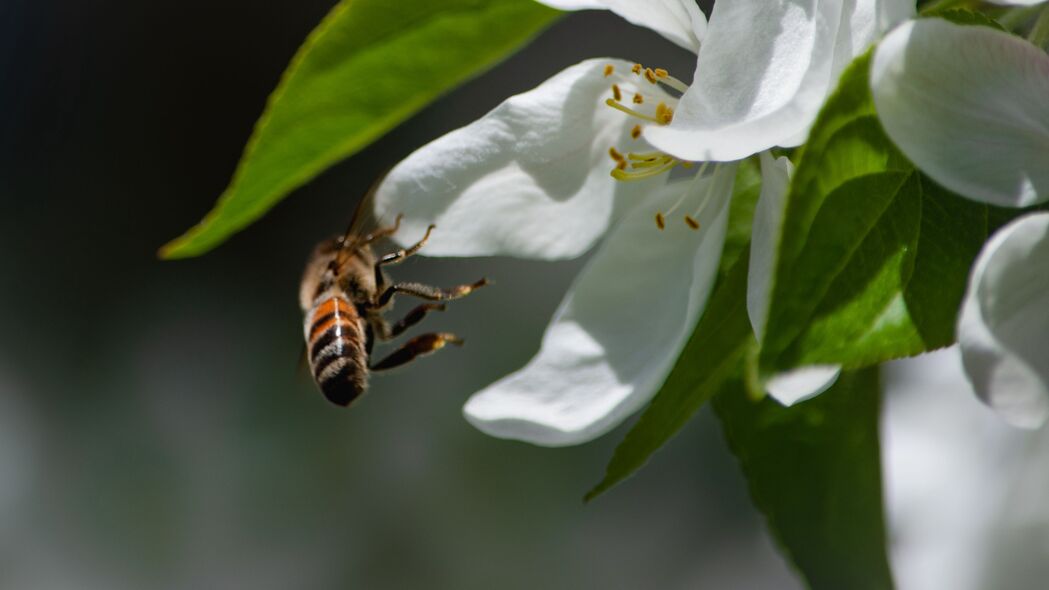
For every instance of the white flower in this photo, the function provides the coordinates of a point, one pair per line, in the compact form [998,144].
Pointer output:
[531,179]
[970,107]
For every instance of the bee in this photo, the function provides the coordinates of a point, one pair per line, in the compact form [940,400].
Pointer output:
[343,294]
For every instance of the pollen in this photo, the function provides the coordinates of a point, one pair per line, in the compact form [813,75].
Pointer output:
[664,114]
[638,99]
[661,73]
[660,222]
[609,70]
[650,75]
[615,155]
[616,93]
[636,69]
[635,132]
[692,223]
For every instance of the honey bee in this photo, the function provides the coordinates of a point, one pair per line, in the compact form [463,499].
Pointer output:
[343,295]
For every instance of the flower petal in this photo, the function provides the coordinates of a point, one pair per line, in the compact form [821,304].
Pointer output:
[1003,325]
[764,71]
[969,106]
[679,21]
[529,179]
[804,382]
[791,387]
[621,327]
[764,241]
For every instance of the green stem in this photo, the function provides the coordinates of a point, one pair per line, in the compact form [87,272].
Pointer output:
[1040,32]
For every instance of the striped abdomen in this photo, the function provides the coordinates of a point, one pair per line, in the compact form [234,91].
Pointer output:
[335,341]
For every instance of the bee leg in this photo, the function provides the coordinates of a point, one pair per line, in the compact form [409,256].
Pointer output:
[427,292]
[399,256]
[416,347]
[414,317]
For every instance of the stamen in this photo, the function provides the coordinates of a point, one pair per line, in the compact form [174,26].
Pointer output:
[608,70]
[629,111]
[638,99]
[685,195]
[648,163]
[619,174]
[616,93]
[635,132]
[660,221]
[692,223]
[646,156]
[615,155]
[636,69]
[674,83]
[650,75]
[664,114]
[660,73]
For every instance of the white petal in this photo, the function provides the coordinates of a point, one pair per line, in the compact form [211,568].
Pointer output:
[1003,328]
[764,71]
[791,387]
[620,328]
[679,21]
[1016,2]
[764,66]
[529,179]
[765,236]
[970,106]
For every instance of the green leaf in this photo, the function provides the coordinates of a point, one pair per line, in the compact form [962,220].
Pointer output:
[814,471]
[713,355]
[874,257]
[369,65]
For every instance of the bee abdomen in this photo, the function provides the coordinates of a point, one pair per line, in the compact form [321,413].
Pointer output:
[335,336]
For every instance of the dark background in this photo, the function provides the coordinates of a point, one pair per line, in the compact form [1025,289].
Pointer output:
[154,429]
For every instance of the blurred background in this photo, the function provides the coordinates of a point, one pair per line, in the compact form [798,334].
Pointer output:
[156,430]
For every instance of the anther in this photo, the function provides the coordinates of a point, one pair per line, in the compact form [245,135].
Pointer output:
[638,99]
[615,155]
[660,222]
[636,69]
[650,75]
[616,93]
[635,132]
[660,73]
[608,70]
[664,114]
[691,222]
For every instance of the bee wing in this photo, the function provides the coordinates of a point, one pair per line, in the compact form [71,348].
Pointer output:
[364,227]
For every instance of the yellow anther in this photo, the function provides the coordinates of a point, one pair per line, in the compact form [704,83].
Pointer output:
[650,75]
[638,99]
[650,162]
[615,155]
[664,114]
[636,69]
[660,222]
[660,73]
[616,93]
[691,222]
[635,132]
[620,164]
[608,70]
